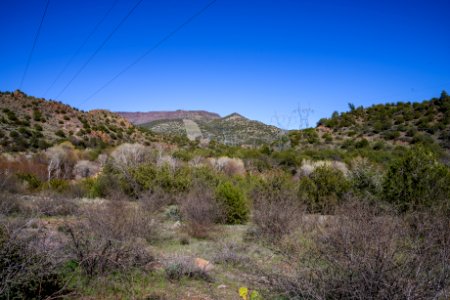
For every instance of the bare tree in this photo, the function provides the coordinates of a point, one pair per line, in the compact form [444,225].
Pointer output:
[61,159]
[126,157]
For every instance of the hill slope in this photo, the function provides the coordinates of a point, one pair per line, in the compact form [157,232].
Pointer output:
[29,123]
[401,122]
[146,117]
[231,130]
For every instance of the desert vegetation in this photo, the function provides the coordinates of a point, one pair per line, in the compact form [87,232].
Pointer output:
[304,217]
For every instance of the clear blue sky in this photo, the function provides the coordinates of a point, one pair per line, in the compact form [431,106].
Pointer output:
[257,58]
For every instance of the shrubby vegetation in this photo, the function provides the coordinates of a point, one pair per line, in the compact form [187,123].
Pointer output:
[312,216]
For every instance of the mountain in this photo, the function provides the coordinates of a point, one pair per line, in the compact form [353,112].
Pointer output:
[233,129]
[29,123]
[401,122]
[146,117]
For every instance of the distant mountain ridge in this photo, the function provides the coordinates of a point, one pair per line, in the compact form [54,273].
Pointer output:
[233,129]
[139,118]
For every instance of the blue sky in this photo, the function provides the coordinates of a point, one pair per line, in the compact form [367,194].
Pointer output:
[259,58]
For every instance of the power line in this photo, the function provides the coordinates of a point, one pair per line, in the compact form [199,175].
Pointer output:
[99,48]
[154,47]
[34,45]
[100,22]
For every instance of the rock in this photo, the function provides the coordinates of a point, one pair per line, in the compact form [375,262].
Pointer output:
[222,286]
[203,264]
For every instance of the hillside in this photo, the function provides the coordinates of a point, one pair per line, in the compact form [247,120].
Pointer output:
[146,117]
[231,130]
[29,123]
[401,122]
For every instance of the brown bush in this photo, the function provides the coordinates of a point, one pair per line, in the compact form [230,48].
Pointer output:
[154,200]
[276,209]
[12,167]
[9,204]
[52,204]
[230,166]
[111,236]
[183,266]
[97,253]
[228,254]
[367,254]
[200,212]
[27,271]
[121,220]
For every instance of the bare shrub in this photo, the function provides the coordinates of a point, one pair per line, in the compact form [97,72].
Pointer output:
[228,254]
[85,168]
[9,204]
[230,166]
[167,160]
[309,166]
[129,155]
[11,167]
[184,266]
[276,209]
[368,254]
[7,182]
[121,220]
[200,212]
[98,254]
[53,205]
[156,199]
[111,237]
[26,272]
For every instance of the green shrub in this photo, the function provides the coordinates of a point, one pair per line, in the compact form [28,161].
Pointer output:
[57,185]
[323,189]
[328,138]
[60,133]
[363,143]
[416,180]
[233,202]
[32,180]
[37,115]
[364,177]
[150,177]
[95,187]
[14,134]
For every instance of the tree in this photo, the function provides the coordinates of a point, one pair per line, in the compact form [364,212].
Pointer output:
[61,159]
[416,180]
[352,107]
[234,203]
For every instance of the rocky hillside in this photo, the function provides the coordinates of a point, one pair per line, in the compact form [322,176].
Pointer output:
[231,130]
[146,117]
[401,122]
[29,123]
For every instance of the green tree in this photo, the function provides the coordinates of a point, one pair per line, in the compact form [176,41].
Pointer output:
[323,189]
[234,203]
[417,180]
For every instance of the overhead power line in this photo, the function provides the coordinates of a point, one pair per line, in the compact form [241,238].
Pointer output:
[99,48]
[34,45]
[150,50]
[100,22]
